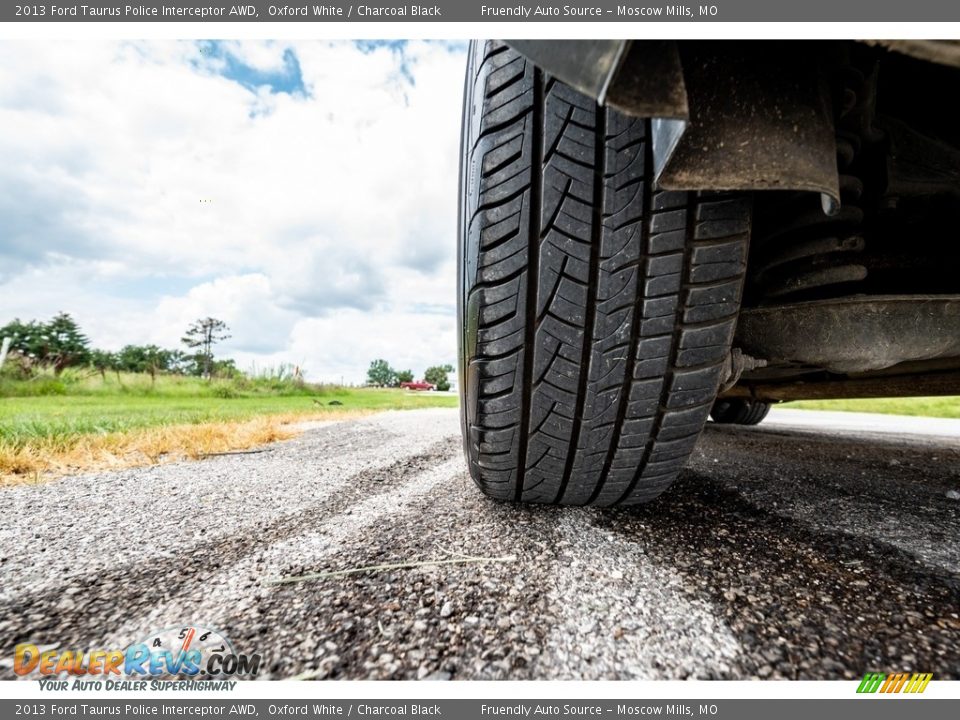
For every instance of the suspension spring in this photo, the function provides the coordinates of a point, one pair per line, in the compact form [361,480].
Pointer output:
[808,253]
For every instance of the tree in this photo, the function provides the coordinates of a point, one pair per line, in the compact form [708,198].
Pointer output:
[58,343]
[203,335]
[180,363]
[226,369]
[148,359]
[25,338]
[101,360]
[63,345]
[437,376]
[381,374]
[404,376]
[25,346]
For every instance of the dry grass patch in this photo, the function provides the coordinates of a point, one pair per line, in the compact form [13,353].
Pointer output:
[48,458]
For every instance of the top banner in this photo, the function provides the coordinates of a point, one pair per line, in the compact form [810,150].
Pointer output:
[472,11]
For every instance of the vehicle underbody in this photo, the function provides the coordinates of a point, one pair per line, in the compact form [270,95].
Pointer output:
[655,232]
[850,153]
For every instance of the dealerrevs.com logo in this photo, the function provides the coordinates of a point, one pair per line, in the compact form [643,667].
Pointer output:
[193,652]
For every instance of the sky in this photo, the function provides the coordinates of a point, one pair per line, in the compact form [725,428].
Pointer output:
[303,192]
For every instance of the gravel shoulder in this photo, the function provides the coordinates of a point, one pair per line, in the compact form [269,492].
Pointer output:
[807,547]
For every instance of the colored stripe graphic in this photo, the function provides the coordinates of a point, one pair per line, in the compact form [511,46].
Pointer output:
[889,683]
[895,683]
[918,682]
[871,682]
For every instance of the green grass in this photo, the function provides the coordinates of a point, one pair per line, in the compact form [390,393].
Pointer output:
[60,409]
[944,407]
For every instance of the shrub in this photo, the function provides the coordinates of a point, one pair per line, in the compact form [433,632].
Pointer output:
[224,392]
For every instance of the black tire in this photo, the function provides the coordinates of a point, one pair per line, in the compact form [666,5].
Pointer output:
[595,312]
[739,412]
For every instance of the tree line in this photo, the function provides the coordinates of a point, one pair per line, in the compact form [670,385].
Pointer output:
[59,343]
[382,375]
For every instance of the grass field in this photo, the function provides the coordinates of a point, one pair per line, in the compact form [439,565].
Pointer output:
[55,426]
[82,421]
[944,407]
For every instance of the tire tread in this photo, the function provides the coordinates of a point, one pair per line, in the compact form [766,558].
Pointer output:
[604,308]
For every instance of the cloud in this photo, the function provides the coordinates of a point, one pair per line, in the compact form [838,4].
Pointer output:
[331,346]
[288,187]
[41,218]
[314,283]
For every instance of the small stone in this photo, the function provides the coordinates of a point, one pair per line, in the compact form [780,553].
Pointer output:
[953,495]
[447,609]
[438,675]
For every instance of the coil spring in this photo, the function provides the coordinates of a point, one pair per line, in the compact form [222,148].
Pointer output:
[814,250]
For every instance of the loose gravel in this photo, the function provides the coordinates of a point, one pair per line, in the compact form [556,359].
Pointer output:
[782,552]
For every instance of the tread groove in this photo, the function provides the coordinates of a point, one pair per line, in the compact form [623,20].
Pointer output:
[624,400]
[533,265]
[671,363]
[586,350]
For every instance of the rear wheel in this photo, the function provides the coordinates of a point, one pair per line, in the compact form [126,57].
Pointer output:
[595,311]
[739,412]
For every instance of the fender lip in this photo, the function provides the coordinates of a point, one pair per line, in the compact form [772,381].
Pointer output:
[641,78]
[589,66]
[725,116]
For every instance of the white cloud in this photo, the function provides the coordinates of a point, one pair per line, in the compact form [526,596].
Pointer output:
[143,188]
[408,340]
[245,302]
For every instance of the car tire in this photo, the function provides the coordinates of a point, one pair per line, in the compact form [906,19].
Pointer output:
[737,411]
[595,311]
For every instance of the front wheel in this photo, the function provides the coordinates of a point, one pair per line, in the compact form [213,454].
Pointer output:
[595,311]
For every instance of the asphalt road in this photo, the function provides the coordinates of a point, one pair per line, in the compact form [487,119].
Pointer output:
[813,546]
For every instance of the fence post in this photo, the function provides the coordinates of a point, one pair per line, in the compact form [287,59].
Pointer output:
[3,350]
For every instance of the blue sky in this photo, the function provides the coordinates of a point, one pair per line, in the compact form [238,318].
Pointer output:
[305,192]
[286,77]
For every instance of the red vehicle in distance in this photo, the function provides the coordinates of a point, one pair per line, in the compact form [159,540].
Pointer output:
[418,385]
